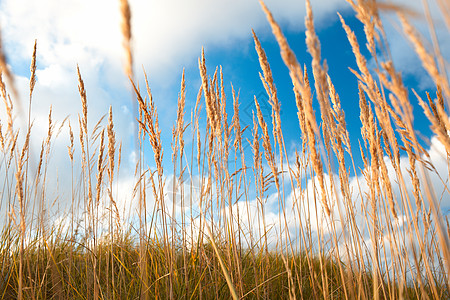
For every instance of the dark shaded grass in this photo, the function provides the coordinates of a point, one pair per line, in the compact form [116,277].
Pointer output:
[62,268]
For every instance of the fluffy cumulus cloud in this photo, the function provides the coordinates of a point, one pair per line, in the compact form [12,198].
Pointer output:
[169,33]
[165,34]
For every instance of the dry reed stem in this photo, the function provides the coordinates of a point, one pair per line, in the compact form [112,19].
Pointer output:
[236,122]
[367,13]
[445,10]
[225,129]
[295,69]
[33,69]
[360,59]
[82,92]
[435,112]
[267,146]
[319,71]
[211,105]
[302,85]
[111,145]
[399,98]
[100,168]
[196,127]
[257,158]
[437,125]
[341,132]
[340,137]
[32,82]
[81,138]
[180,128]
[50,128]
[22,204]
[2,138]
[273,98]
[126,34]
[301,115]
[268,78]
[428,61]
[382,109]
[3,89]
[8,106]
[321,86]
[150,125]
[5,70]
[178,149]
[13,147]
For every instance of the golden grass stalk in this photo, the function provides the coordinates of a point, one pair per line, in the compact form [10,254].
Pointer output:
[22,204]
[82,92]
[152,126]
[113,209]
[5,70]
[177,185]
[8,106]
[111,145]
[125,13]
[302,86]
[445,10]
[222,265]
[211,105]
[360,59]
[427,59]
[2,138]
[100,168]
[33,70]
[291,62]
[270,88]
[270,158]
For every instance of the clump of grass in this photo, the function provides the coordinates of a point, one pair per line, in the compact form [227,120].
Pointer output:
[219,243]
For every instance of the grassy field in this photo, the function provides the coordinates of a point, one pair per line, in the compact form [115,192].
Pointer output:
[379,235]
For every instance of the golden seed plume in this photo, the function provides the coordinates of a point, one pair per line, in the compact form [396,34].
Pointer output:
[211,105]
[82,92]
[5,70]
[111,144]
[126,33]
[33,69]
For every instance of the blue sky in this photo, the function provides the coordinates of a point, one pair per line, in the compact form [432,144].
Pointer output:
[167,37]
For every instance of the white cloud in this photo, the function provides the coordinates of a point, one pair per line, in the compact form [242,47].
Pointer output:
[166,34]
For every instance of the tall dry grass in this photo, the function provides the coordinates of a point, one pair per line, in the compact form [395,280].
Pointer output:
[375,232]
